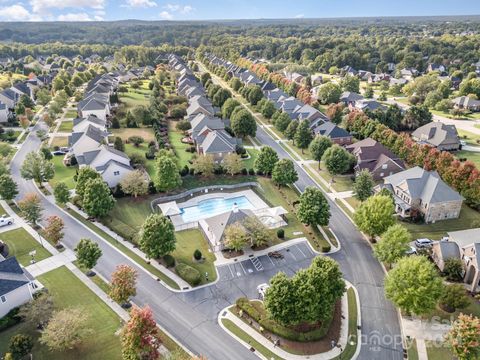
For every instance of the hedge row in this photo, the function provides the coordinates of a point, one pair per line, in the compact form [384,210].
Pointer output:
[188,273]
[275,328]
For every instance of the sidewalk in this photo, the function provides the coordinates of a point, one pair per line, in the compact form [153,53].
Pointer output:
[64,258]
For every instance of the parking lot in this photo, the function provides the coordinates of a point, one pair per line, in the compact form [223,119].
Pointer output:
[292,255]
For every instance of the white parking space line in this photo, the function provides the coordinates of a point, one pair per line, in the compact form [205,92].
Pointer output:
[291,253]
[268,257]
[231,271]
[300,249]
[243,268]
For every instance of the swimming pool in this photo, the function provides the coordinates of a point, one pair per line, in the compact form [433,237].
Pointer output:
[211,207]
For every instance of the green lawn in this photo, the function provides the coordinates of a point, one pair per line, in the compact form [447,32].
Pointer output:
[125,133]
[5,137]
[472,308]
[175,138]
[340,182]
[469,137]
[63,173]
[470,155]
[135,97]
[248,163]
[68,291]
[59,141]
[187,242]
[71,114]
[437,351]
[440,228]
[142,149]
[230,325]
[2,210]
[412,349]
[353,202]
[20,243]
[66,126]
[285,197]
[129,215]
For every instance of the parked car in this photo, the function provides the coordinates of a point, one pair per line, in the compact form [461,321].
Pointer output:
[58,152]
[423,243]
[5,220]
[411,251]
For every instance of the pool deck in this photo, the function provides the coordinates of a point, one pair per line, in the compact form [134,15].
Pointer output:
[180,224]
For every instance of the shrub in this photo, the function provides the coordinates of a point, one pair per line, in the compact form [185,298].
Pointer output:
[280,233]
[188,273]
[244,171]
[197,254]
[258,313]
[10,319]
[251,172]
[77,201]
[169,260]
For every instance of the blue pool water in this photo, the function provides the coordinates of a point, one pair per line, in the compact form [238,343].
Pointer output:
[211,207]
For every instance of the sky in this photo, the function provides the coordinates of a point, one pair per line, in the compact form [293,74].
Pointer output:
[108,10]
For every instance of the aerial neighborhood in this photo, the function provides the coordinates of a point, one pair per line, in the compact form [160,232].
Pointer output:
[275,188]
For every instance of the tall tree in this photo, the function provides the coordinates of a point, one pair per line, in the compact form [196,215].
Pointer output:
[134,183]
[232,163]
[97,198]
[258,233]
[166,176]
[414,285]
[157,236]
[329,93]
[284,173]
[8,188]
[204,164]
[291,130]
[243,124]
[140,335]
[31,208]
[228,106]
[303,135]
[235,237]
[266,160]
[66,330]
[375,215]
[350,83]
[393,244]
[61,193]
[363,185]
[36,167]
[464,336]
[313,208]
[337,160]
[88,253]
[54,229]
[318,146]
[123,284]
[83,176]
[282,122]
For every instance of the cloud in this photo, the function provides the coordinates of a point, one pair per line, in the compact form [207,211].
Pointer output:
[182,9]
[39,6]
[17,13]
[74,17]
[299,16]
[140,3]
[166,15]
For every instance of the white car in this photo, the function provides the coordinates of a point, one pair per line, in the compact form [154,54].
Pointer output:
[6,220]
[411,251]
[423,243]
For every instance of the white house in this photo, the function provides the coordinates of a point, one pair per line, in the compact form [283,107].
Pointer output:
[16,285]
[3,113]
[93,107]
[86,141]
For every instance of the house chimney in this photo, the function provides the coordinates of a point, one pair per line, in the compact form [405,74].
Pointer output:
[235,208]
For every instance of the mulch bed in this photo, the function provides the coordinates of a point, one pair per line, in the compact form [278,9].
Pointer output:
[229,254]
[304,348]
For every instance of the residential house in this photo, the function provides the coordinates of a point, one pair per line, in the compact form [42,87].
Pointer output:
[371,105]
[9,98]
[349,98]
[438,135]
[465,103]
[418,191]
[91,139]
[93,107]
[335,133]
[4,113]
[444,250]
[218,143]
[80,125]
[441,69]
[16,285]
[408,73]
[112,164]
[22,88]
[376,158]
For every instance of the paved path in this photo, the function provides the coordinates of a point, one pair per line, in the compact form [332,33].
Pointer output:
[54,262]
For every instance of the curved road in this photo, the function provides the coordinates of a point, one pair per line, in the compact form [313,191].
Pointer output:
[191,317]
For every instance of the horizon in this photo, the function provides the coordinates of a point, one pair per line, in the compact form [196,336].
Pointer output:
[216,10]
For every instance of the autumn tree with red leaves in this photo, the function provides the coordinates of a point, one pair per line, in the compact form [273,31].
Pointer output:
[123,284]
[140,336]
